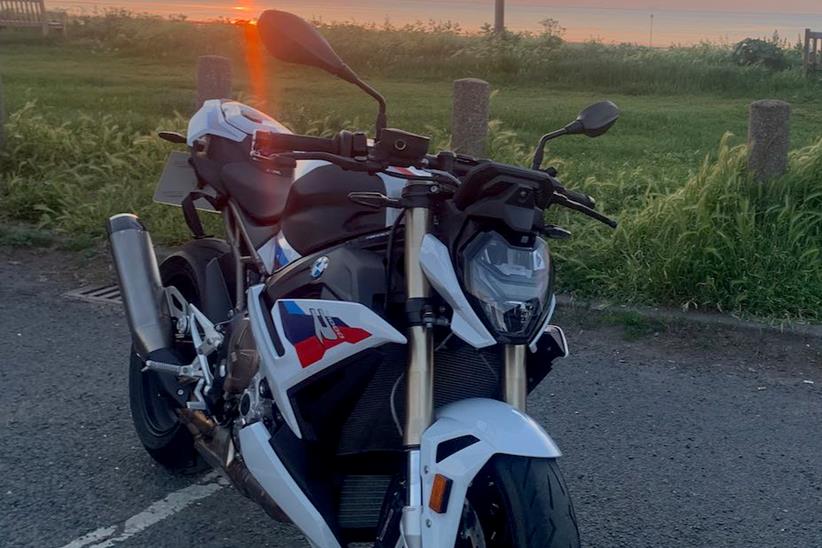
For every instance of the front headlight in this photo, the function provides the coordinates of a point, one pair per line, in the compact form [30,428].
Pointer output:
[510,284]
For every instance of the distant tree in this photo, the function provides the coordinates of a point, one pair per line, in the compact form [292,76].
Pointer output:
[767,53]
[551,27]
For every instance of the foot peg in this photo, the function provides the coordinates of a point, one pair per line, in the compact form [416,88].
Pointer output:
[180,371]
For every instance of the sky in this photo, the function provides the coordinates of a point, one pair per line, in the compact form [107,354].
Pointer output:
[674,21]
[743,6]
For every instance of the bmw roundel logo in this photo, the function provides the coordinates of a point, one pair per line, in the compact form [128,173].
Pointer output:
[319,267]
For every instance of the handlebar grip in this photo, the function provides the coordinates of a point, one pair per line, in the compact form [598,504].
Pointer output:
[271,143]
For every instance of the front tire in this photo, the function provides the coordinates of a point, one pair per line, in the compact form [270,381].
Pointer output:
[521,502]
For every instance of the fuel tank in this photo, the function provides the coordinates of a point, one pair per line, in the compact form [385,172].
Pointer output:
[318,212]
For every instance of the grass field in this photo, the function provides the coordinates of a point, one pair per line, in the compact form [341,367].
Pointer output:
[79,153]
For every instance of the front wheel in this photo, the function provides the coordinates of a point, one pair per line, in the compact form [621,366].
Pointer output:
[521,502]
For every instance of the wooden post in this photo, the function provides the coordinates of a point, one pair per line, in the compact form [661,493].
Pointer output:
[213,78]
[44,18]
[469,121]
[768,139]
[814,55]
[499,16]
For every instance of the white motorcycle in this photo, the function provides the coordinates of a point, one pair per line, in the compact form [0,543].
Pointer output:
[357,352]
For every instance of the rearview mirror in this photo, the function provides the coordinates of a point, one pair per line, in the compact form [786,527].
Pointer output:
[293,40]
[290,38]
[594,120]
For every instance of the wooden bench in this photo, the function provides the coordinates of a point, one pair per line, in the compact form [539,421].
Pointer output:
[812,58]
[29,14]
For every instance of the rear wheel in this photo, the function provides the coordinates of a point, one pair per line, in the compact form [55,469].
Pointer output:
[518,501]
[153,410]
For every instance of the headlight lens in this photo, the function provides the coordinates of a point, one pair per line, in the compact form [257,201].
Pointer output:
[510,284]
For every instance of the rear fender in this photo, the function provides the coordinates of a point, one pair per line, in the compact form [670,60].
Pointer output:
[206,263]
[463,439]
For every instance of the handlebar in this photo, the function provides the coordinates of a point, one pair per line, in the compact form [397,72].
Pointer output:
[352,152]
[269,143]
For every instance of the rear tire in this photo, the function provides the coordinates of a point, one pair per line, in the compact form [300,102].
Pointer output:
[522,502]
[164,437]
[153,412]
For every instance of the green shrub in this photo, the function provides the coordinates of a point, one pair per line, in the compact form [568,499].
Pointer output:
[753,51]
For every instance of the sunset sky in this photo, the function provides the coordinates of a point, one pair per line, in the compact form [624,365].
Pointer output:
[744,6]
[675,21]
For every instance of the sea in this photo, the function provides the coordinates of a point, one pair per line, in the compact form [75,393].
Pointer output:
[606,22]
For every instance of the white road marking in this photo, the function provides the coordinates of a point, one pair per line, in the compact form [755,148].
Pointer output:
[156,512]
[94,536]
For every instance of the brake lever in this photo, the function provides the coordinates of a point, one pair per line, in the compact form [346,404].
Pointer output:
[564,201]
[555,232]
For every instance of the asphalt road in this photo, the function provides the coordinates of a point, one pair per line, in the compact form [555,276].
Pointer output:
[687,437]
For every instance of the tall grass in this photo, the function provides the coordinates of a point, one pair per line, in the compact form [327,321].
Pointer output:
[69,178]
[720,242]
[444,50]
[717,242]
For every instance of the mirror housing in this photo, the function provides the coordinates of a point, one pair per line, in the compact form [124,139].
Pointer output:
[593,121]
[290,38]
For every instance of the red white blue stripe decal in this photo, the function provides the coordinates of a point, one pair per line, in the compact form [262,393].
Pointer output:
[313,332]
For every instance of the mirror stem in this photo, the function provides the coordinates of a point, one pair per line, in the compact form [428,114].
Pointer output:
[382,118]
[540,152]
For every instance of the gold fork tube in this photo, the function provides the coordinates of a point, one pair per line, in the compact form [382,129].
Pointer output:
[515,383]
[419,393]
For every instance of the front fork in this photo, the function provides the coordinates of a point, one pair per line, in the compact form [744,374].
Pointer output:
[419,395]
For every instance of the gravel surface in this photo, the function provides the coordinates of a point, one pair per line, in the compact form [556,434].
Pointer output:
[681,437]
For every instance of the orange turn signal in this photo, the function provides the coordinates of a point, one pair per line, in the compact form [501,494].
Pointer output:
[440,492]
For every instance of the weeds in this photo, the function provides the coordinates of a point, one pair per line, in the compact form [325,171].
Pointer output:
[70,178]
[720,242]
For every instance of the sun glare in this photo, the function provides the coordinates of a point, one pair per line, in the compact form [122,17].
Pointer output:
[254,61]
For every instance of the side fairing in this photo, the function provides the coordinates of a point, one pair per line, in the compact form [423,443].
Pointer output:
[277,253]
[311,336]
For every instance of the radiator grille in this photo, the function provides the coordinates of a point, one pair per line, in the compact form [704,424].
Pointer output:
[361,501]
[460,372]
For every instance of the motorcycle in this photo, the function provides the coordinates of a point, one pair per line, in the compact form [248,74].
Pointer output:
[356,353]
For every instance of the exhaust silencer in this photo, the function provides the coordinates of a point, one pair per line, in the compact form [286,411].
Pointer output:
[140,285]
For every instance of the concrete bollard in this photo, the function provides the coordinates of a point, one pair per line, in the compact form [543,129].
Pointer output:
[768,138]
[469,121]
[213,78]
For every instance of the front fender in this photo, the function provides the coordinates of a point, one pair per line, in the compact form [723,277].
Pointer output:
[464,437]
